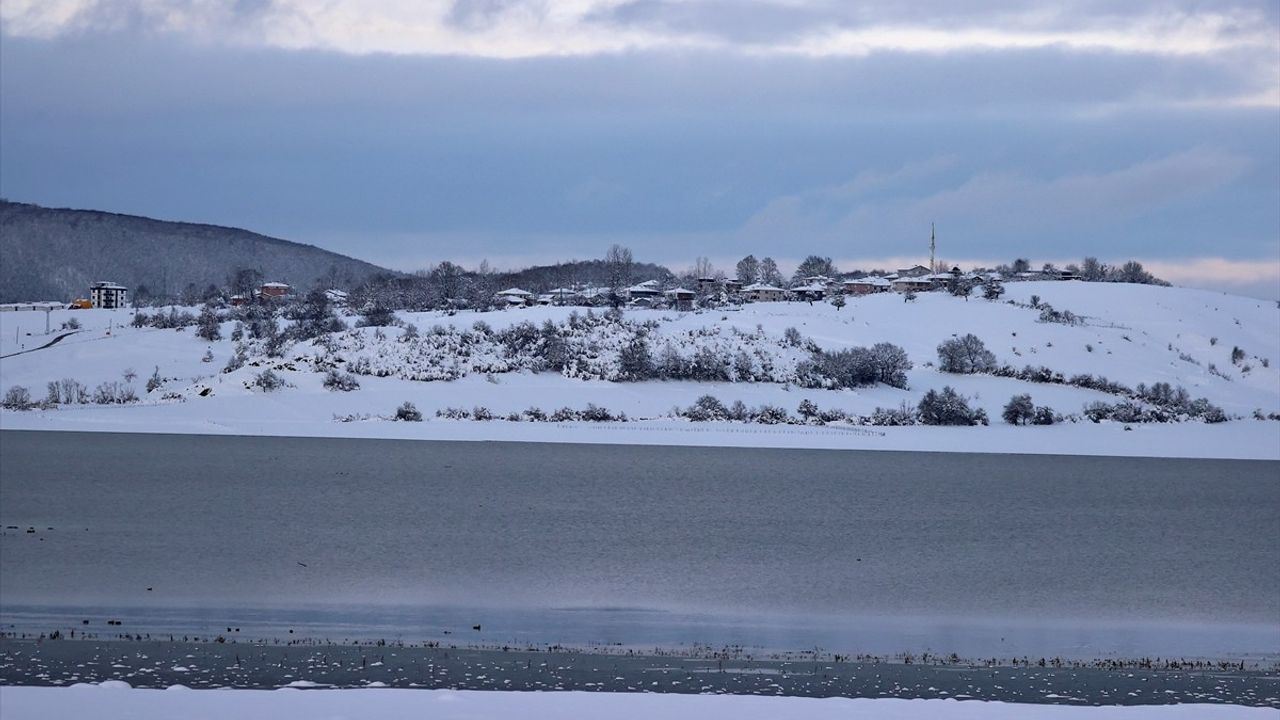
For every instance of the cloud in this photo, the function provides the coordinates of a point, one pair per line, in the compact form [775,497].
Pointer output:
[993,208]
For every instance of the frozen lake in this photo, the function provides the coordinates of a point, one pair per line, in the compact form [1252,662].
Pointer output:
[861,551]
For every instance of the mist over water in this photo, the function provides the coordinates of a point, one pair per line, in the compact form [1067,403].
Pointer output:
[812,541]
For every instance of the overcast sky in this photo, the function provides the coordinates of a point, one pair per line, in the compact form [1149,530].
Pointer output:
[526,131]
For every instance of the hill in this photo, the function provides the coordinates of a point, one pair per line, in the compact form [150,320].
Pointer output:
[54,254]
[507,363]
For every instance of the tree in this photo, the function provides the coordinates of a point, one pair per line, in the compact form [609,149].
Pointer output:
[619,263]
[702,268]
[208,325]
[448,278]
[1021,265]
[1019,410]
[1092,270]
[814,265]
[891,364]
[769,274]
[1132,272]
[965,355]
[634,361]
[838,300]
[244,281]
[748,270]
[992,289]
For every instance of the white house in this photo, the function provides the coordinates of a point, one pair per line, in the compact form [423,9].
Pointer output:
[108,295]
[647,290]
[515,297]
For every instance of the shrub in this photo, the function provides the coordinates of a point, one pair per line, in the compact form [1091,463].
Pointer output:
[16,397]
[706,408]
[808,409]
[453,413]
[408,412]
[1044,415]
[1236,355]
[965,355]
[344,382]
[948,407]
[1019,410]
[738,411]
[481,412]
[376,316]
[598,414]
[154,382]
[268,381]
[72,324]
[564,414]
[792,337]
[634,361]
[114,393]
[772,415]
[72,392]
[209,325]
[902,415]
[535,414]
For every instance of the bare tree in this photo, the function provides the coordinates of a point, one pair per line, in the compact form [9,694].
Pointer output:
[748,270]
[619,261]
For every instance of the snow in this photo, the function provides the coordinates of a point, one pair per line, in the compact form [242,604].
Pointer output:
[21,703]
[1132,334]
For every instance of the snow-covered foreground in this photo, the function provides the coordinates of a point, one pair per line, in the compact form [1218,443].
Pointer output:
[116,700]
[1132,334]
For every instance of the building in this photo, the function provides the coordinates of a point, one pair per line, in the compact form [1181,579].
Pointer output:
[759,292]
[812,291]
[912,284]
[108,295]
[515,297]
[866,286]
[681,298]
[273,290]
[917,271]
[647,290]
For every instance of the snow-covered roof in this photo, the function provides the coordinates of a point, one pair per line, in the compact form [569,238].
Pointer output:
[761,287]
[674,292]
[912,281]
[107,285]
[275,285]
[815,287]
[648,286]
[870,280]
[515,292]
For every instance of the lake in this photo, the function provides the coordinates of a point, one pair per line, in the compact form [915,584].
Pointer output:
[866,551]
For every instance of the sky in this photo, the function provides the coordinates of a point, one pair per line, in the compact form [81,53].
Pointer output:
[532,131]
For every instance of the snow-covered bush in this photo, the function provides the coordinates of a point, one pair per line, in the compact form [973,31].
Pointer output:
[408,412]
[481,412]
[16,397]
[1065,317]
[376,316]
[1019,410]
[772,415]
[268,381]
[71,324]
[209,325]
[340,381]
[855,367]
[949,407]
[706,408]
[965,355]
[155,381]
[535,414]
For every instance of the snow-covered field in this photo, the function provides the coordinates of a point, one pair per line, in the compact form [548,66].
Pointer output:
[1132,334]
[114,699]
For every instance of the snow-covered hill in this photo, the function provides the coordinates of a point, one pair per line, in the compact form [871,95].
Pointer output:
[1130,334]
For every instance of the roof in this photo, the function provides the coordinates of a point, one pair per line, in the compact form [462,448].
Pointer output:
[762,287]
[275,284]
[680,291]
[870,280]
[106,285]
[810,288]
[648,286]
[516,292]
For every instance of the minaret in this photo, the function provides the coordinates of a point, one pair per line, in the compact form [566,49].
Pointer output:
[933,246]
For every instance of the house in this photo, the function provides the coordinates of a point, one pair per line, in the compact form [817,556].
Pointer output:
[647,290]
[681,298]
[733,286]
[336,297]
[812,291]
[912,284]
[238,300]
[708,284]
[273,290]
[866,285]
[759,292]
[917,271]
[515,297]
[108,295]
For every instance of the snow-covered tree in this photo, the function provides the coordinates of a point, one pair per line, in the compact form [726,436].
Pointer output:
[964,355]
[748,270]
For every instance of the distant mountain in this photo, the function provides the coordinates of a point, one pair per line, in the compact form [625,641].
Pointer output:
[55,254]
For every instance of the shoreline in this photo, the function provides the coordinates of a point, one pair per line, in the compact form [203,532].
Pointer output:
[161,664]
